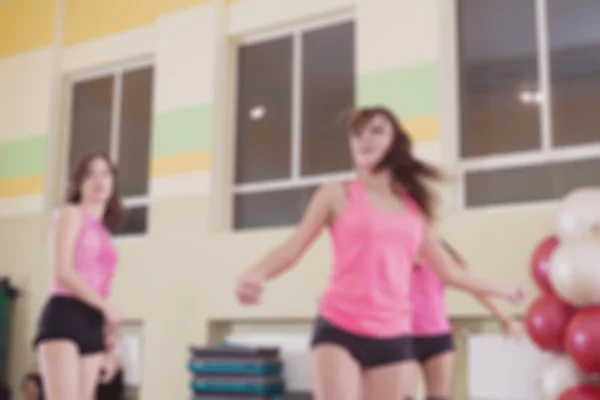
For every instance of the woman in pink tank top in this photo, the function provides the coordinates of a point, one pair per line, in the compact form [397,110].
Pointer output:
[379,225]
[433,344]
[78,324]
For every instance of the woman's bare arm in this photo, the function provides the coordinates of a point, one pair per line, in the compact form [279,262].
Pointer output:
[288,253]
[502,318]
[453,275]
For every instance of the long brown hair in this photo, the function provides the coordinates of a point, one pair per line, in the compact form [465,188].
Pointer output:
[408,171]
[114,212]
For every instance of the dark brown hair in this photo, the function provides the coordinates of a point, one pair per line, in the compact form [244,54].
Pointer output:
[115,212]
[407,171]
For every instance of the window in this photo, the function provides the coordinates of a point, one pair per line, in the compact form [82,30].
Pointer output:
[111,111]
[530,88]
[292,91]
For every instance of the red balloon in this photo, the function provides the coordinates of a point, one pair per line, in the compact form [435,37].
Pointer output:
[540,263]
[582,392]
[547,320]
[583,339]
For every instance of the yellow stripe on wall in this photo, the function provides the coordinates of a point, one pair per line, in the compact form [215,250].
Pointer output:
[21,186]
[88,20]
[181,164]
[26,25]
[170,6]
[91,19]
[424,129]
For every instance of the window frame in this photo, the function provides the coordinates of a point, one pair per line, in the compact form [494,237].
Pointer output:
[295,180]
[117,72]
[546,154]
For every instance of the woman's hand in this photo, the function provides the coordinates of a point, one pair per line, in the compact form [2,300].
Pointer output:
[111,338]
[249,289]
[512,329]
[112,365]
[515,294]
[112,317]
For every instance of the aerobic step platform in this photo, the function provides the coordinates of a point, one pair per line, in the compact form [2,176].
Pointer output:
[236,397]
[235,361]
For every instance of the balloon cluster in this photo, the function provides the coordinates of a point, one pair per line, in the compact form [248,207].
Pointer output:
[565,318]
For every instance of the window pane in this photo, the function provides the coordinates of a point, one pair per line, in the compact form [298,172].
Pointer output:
[574,35]
[91,114]
[576,174]
[134,133]
[528,184]
[264,111]
[515,185]
[136,221]
[328,89]
[498,77]
[267,209]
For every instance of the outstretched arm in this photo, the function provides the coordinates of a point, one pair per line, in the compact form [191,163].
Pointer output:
[288,253]
[453,275]
[509,325]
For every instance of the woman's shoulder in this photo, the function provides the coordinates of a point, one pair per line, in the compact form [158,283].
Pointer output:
[68,215]
[337,189]
[331,193]
[69,211]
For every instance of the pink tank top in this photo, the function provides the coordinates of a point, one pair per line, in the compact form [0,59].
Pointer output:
[374,252]
[94,257]
[428,295]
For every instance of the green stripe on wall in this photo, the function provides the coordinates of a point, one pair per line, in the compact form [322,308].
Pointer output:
[182,131]
[409,92]
[22,157]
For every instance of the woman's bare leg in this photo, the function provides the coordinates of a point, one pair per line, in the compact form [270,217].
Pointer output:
[59,367]
[439,375]
[90,367]
[393,381]
[413,380]
[336,374]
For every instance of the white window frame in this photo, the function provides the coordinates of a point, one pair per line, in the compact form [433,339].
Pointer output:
[545,155]
[295,181]
[117,73]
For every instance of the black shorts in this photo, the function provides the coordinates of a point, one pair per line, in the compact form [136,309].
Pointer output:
[367,351]
[65,318]
[426,347]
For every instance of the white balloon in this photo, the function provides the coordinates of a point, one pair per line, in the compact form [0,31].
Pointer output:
[558,375]
[575,272]
[579,214]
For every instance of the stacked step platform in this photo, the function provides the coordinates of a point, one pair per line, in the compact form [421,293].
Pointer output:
[236,373]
